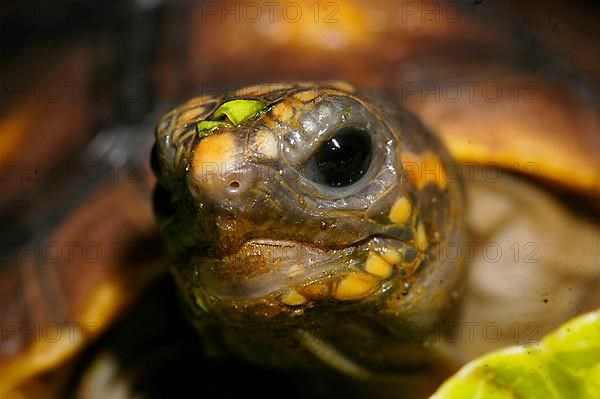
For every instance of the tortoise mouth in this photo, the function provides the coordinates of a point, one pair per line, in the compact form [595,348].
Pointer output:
[296,273]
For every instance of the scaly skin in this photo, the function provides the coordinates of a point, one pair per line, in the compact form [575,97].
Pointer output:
[288,272]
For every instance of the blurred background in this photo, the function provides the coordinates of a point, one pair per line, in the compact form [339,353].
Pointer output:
[80,66]
[71,70]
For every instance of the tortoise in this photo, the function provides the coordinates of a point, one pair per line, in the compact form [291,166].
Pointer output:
[363,283]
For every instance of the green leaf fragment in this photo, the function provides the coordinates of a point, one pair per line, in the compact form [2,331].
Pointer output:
[566,364]
[239,111]
[236,112]
[207,127]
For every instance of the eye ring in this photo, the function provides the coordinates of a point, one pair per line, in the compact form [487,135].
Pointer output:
[342,160]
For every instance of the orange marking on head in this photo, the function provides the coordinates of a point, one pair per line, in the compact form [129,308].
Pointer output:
[283,111]
[424,169]
[216,149]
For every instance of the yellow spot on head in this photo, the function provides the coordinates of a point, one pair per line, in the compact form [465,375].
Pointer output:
[355,286]
[293,298]
[214,156]
[421,238]
[217,149]
[377,266]
[266,144]
[400,211]
[391,256]
[306,96]
[424,169]
[434,170]
[283,111]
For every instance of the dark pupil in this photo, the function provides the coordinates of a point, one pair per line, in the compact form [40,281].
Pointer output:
[345,158]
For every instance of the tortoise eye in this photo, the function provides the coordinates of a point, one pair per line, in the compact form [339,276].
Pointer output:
[342,160]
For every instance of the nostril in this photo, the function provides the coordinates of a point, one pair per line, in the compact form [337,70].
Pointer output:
[234,187]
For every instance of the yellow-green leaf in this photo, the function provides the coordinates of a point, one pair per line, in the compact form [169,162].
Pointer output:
[238,111]
[565,364]
[207,127]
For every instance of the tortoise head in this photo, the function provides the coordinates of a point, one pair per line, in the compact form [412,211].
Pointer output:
[290,206]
